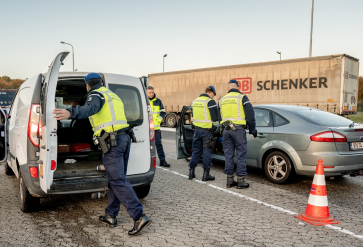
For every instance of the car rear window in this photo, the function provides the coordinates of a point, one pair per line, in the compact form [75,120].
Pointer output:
[322,118]
[131,99]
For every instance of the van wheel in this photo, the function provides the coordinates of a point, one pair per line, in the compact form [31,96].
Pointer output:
[142,191]
[278,168]
[28,203]
[8,170]
[170,121]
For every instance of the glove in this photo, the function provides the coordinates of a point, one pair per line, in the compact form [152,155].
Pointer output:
[218,130]
[254,134]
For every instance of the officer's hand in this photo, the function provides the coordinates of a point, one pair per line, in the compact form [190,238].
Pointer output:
[218,130]
[254,134]
[61,114]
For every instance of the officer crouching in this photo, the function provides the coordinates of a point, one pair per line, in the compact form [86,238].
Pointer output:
[205,113]
[237,114]
[106,113]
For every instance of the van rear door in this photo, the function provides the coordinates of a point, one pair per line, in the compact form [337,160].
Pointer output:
[48,124]
[3,141]
[184,136]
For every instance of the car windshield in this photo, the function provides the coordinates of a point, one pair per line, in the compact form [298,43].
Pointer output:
[323,118]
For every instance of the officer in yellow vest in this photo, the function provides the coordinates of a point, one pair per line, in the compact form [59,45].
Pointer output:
[106,113]
[205,113]
[236,113]
[158,111]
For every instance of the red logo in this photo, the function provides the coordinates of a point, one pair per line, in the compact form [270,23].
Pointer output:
[346,75]
[245,84]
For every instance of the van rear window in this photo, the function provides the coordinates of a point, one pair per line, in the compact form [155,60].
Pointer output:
[131,99]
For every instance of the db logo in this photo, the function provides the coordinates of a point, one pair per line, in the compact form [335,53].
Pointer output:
[245,85]
[346,74]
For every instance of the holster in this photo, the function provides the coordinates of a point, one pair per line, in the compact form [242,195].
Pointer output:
[103,141]
[132,135]
[211,142]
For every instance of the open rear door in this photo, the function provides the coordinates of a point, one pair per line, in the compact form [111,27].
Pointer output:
[184,136]
[48,124]
[3,141]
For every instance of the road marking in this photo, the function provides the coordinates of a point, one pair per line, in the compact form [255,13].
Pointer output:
[334,227]
[168,129]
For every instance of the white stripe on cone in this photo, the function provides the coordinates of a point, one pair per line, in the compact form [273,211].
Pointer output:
[321,201]
[319,179]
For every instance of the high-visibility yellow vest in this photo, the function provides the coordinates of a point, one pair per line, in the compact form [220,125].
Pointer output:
[111,117]
[201,114]
[155,108]
[232,108]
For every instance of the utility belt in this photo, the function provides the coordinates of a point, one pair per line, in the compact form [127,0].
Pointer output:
[230,125]
[107,140]
[214,128]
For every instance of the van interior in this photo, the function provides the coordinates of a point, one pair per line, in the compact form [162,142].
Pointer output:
[78,156]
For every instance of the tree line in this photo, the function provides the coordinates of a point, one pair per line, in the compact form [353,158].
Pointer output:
[7,83]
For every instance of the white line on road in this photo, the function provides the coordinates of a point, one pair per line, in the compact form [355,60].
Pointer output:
[337,228]
[167,129]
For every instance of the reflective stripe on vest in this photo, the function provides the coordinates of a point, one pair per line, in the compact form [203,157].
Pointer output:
[239,100]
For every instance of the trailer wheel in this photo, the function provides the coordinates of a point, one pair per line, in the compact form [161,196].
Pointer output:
[170,121]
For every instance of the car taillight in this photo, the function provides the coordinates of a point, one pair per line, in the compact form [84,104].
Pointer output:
[151,125]
[34,172]
[328,136]
[154,162]
[33,124]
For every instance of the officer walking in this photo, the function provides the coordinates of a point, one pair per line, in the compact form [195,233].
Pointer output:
[236,113]
[158,111]
[205,112]
[105,111]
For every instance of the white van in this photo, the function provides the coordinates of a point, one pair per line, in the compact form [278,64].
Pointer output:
[36,145]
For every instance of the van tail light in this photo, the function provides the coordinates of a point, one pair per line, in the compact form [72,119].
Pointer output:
[151,124]
[154,162]
[33,124]
[34,171]
[53,165]
[328,136]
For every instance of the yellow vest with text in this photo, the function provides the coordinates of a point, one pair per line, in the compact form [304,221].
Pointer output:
[201,114]
[111,117]
[232,108]
[156,113]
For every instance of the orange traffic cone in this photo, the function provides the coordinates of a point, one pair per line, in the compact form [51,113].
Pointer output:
[317,210]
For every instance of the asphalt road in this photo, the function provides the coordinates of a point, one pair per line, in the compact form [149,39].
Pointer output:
[190,213]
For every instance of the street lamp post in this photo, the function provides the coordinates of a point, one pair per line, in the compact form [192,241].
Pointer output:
[311,29]
[164,61]
[279,52]
[72,51]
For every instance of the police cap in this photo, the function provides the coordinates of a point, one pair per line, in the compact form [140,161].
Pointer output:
[233,81]
[214,90]
[92,77]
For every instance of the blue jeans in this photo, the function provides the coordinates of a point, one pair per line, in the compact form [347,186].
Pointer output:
[199,138]
[235,141]
[121,191]
[159,146]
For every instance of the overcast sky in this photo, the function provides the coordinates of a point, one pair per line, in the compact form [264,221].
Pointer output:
[131,37]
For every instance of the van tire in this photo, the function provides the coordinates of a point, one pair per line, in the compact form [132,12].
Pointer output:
[28,203]
[170,121]
[8,170]
[142,191]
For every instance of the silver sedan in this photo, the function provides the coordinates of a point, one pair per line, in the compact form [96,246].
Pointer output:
[291,140]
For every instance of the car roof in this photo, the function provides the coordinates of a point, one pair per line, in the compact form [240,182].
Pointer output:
[291,108]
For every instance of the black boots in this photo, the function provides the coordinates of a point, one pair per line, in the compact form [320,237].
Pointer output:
[110,220]
[206,176]
[140,224]
[191,173]
[230,181]
[241,184]
[164,164]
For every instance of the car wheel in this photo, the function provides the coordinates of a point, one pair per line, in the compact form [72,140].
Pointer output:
[8,170]
[170,121]
[28,203]
[188,159]
[278,167]
[142,191]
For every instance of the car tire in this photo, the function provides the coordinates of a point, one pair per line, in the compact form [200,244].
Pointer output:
[8,170]
[188,159]
[142,191]
[28,203]
[170,121]
[278,167]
